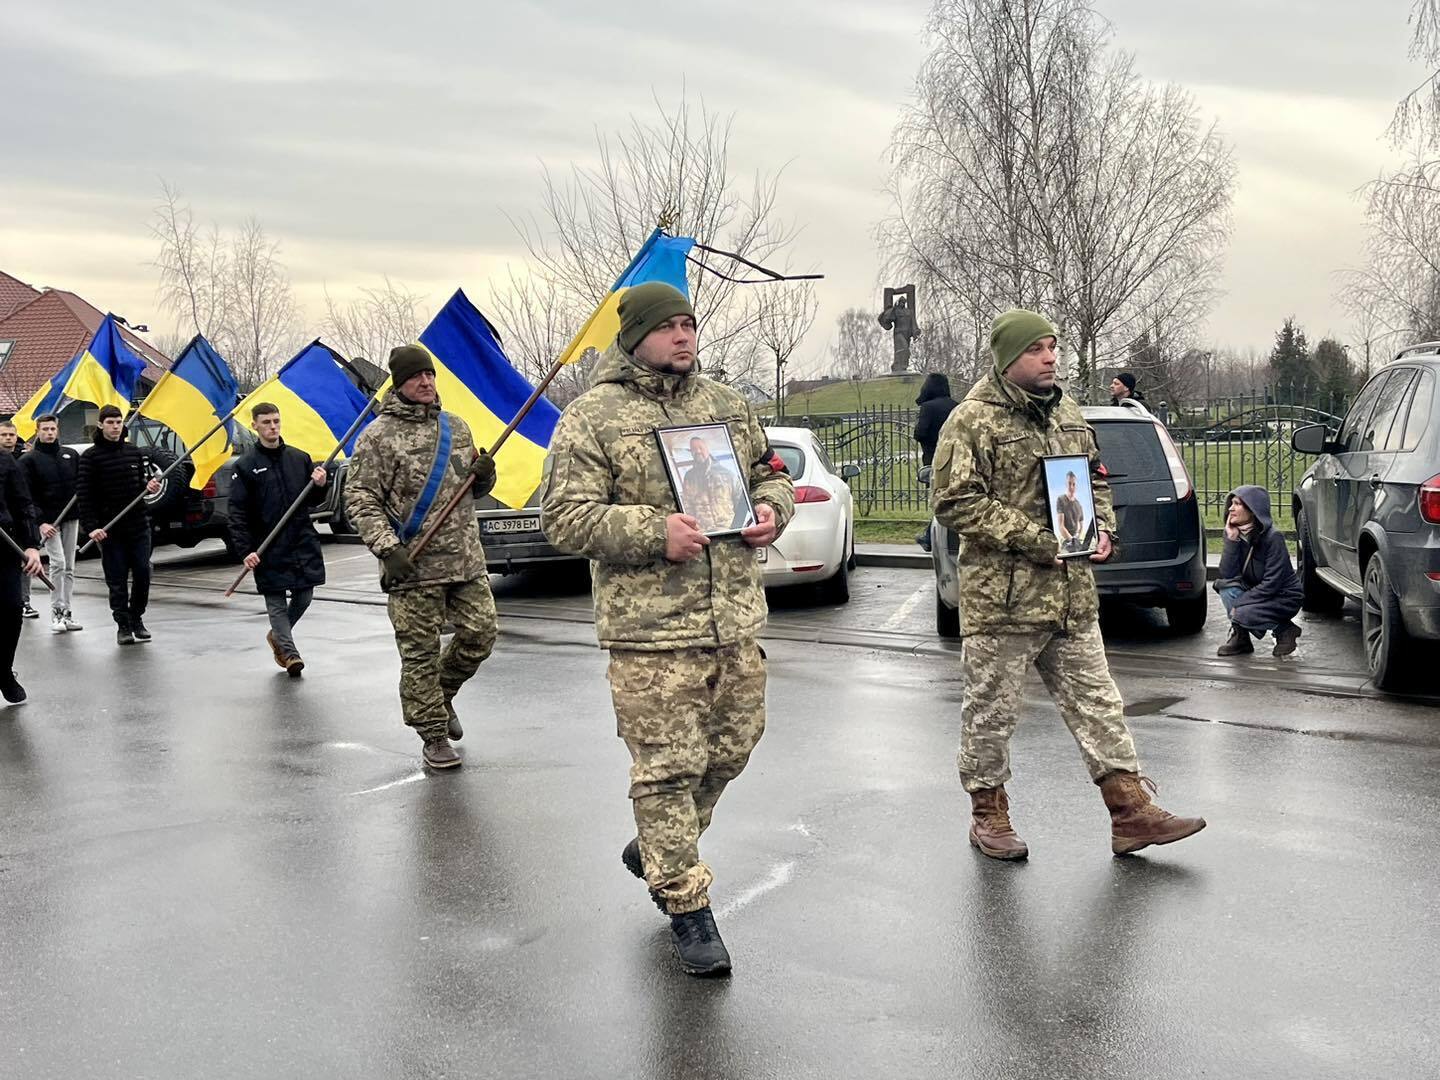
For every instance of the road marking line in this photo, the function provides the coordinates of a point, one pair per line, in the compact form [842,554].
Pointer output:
[903,611]
[393,783]
[355,746]
[779,875]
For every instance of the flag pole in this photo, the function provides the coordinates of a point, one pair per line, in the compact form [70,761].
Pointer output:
[305,491]
[21,552]
[163,472]
[446,510]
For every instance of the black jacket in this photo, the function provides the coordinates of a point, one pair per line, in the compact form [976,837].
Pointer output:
[263,484]
[935,405]
[111,474]
[51,470]
[17,515]
[1261,566]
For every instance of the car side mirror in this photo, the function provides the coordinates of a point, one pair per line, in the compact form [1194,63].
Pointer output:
[1311,439]
[849,472]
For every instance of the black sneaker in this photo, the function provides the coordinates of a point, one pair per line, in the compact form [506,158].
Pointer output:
[28,612]
[123,636]
[12,690]
[138,629]
[697,944]
[631,858]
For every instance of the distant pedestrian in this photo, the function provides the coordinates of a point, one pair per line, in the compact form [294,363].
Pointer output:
[1020,604]
[17,518]
[1257,583]
[1123,389]
[112,474]
[12,445]
[51,471]
[264,482]
[936,405]
[678,611]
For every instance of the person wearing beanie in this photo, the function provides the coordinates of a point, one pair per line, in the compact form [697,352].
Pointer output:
[935,405]
[407,466]
[1022,605]
[678,609]
[1122,388]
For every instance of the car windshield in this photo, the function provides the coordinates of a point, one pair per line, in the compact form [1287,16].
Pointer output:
[793,457]
[1131,452]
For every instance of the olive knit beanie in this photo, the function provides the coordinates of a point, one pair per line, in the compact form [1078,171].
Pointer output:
[644,307]
[407,361]
[1014,332]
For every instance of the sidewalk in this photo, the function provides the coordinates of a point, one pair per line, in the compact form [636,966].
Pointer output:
[914,557]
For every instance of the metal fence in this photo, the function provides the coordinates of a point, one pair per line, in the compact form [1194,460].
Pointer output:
[1225,443]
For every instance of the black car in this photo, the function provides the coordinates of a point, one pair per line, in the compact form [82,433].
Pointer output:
[1161,556]
[1368,514]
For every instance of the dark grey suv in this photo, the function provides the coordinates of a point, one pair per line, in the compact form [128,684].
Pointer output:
[1368,514]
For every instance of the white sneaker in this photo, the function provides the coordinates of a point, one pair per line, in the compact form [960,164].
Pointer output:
[57,623]
[70,623]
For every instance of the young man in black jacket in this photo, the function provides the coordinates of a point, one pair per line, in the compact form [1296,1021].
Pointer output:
[12,445]
[936,405]
[111,475]
[263,484]
[18,521]
[50,470]
[1258,584]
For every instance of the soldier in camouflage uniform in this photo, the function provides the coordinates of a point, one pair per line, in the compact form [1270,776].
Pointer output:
[1020,604]
[394,462]
[678,611]
[710,491]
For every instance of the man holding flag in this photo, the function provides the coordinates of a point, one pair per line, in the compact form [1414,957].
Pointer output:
[50,470]
[408,463]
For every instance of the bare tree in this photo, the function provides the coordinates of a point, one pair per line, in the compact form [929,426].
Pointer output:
[858,350]
[1418,113]
[537,320]
[785,315]
[379,319]
[264,323]
[675,169]
[193,265]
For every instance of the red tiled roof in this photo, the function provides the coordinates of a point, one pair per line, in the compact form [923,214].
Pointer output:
[14,293]
[48,331]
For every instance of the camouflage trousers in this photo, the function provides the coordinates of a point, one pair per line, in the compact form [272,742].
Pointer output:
[690,718]
[1075,672]
[429,675]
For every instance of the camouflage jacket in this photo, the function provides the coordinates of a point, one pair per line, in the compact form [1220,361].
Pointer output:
[609,495]
[392,461]
[989,486]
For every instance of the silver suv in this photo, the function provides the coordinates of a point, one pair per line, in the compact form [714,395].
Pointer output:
[1368,514]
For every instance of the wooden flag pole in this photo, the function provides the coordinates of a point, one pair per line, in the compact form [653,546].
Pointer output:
[21,552]
[449,507]
[294,507]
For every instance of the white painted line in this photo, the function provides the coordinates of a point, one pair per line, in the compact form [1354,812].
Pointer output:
[355,746]
[779,875]
[902,613]
[393,783]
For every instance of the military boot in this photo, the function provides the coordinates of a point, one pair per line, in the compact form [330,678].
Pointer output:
[1237,644]
[990,829]
[630,856]
[456,731]
[1135,821]
[1287,636]
[697,944]
[439,754]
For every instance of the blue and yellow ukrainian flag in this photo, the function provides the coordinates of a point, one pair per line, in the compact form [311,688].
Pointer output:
[317,402]
[477,383]
[104,373]
[198,393]
[660,258]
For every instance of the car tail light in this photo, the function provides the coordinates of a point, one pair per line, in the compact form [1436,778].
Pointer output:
[1178,473]
[210,489]
[1430,500]
[807,494]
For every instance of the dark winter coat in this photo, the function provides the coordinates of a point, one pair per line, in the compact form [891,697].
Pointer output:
[17,515]
[935,405]
[110,475]
[1134,395]
[51,470]
[263,484]
[1261,566]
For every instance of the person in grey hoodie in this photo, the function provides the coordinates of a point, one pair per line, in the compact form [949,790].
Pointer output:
[1257,583]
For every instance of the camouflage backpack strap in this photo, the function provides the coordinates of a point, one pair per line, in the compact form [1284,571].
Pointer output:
[411,527]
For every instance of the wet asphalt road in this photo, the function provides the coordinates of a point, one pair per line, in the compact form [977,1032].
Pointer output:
[208,869]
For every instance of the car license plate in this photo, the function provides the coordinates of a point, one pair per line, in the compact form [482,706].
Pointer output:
[529,523]
[762,554]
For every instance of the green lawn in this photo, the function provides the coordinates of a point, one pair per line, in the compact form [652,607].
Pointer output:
[850,396]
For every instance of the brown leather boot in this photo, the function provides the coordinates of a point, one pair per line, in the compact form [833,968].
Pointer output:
[1237,644]
[990,829]
[275,649]
[1135,821]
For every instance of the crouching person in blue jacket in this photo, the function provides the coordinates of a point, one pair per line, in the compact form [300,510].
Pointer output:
[1257,582]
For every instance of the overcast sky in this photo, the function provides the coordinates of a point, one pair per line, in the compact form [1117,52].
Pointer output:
[378,139]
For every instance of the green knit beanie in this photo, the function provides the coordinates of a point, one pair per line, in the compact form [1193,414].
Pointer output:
[1014,332]
[407,361]
[644,307]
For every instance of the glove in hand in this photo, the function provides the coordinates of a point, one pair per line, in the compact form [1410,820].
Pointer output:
[399,568]
[483,469]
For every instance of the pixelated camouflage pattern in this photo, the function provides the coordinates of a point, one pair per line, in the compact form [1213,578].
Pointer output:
[430,676]
[392,461]
[690,718]
[989,486]
[608,496]
[1074,671]
[712,493]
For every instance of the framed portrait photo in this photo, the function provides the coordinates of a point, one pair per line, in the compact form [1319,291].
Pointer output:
[1071,501]
[709,483]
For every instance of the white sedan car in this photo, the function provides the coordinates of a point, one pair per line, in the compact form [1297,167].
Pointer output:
[818,546]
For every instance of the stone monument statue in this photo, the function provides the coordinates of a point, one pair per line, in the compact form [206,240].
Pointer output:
[899,318]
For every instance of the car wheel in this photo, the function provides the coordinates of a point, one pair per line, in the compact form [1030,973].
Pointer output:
[947,618]
[1318,595]
[173,487]
[339,523]
[1387,645]
[836,589]
[1188,616]
[850,562]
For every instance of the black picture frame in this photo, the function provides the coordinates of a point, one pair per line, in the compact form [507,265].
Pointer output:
[1072,512]
[723,484]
